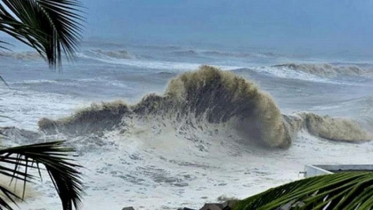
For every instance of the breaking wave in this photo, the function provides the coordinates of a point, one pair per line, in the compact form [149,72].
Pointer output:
[208,96]
[336,129]
[326,70]
[117,54]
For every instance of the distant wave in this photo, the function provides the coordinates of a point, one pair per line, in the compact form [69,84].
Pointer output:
[158,47]
[222,54]
[205,97]
[239,55]
[185,53]
[150,64]
[165,74]
[326,70]
[73,83]
[21,55]
[140,63]
[40,81]
[118,54]
[324,73]
[284,73]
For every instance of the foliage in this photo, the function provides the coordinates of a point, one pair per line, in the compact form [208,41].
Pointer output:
[16,163]
[348,190]
[52,27]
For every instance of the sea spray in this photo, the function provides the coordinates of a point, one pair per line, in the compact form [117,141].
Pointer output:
[208,96]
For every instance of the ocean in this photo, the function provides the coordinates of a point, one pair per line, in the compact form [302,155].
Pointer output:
[179,126]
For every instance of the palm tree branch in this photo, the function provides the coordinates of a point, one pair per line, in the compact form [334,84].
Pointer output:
[62,171]
[10,195]
[336,191]
[50,26]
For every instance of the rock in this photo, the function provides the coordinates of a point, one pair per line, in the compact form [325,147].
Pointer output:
[228,205]
[128,208]
[212,206]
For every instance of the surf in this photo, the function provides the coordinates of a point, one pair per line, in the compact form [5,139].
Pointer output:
[206,99]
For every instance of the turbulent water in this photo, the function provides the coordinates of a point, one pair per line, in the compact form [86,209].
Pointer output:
[160,127]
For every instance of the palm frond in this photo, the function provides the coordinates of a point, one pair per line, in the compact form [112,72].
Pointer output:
[348,191]
[2,45]
[17,161]
[52,27]
[2,80]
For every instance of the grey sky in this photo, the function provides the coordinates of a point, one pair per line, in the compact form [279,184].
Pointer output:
[289,25]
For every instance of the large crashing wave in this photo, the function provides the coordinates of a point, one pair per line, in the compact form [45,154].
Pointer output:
[327,70]
[209,96]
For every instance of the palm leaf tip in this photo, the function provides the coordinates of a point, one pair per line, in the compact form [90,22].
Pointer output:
[52,27]
[349,190]
[63,172]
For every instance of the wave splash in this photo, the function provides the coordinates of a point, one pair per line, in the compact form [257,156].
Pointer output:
[208,96]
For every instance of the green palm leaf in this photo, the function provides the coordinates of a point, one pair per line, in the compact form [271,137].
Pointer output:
[16,163]
[52,27]
[349,190]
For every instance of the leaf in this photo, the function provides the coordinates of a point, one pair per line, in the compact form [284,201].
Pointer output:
[348,191]
[62,171]
[52,27]
[1,78]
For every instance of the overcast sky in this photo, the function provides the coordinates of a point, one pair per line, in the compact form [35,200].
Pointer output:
[317,24]
[321,25]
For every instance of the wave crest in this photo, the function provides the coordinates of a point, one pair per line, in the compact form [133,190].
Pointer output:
[222,96]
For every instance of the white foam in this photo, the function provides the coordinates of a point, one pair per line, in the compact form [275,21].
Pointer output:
[150,64]
[34,81]
[283,72]
[158,166]
[137,170]
[24,108]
